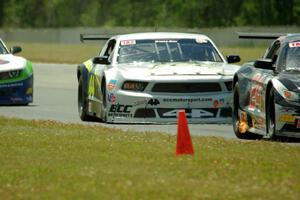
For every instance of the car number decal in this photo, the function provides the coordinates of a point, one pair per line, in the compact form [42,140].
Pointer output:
[153,102]
[294,44]
[298,123]
[128,42]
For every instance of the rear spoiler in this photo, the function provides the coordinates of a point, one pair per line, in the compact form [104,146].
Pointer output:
[266,36]
[84,37]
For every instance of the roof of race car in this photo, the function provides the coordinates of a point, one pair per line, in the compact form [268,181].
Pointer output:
[290,37]
[287,38]
[159,35]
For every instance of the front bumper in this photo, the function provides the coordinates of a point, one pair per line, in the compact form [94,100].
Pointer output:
[134,107]
[18,92]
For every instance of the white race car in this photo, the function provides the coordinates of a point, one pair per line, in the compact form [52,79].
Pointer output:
[148,77]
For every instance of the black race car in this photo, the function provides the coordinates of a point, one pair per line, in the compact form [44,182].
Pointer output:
[266,93]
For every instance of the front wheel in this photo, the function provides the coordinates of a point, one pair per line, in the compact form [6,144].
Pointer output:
[104,103]
[271,121]
[82,102]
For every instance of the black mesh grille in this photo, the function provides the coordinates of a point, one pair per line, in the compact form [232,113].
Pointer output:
[163,112]
[291,127]
[226,112]
[7,91]
[4,76]
[144,113]
[186,87]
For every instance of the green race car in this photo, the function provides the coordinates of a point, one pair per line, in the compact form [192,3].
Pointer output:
[16,77]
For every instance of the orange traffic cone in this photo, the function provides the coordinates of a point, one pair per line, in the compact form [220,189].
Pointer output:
[184,142]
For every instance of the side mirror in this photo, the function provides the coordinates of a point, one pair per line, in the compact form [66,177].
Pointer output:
[103,60]
[233,58]
[16,49]
[264,64]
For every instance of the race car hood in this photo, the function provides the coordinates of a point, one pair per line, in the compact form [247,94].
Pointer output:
[10,62]
[178,68]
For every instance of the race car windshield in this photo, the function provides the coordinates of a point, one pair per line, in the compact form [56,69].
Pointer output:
[167,50]
[293,56]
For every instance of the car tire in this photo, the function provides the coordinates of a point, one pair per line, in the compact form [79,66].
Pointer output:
[236,119]
[82,102]
[270,113]
[104,103]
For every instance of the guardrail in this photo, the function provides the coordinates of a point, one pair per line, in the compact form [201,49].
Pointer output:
[221,36]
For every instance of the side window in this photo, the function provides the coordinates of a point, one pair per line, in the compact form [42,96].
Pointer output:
[2,48]
[273,51]
[110,48]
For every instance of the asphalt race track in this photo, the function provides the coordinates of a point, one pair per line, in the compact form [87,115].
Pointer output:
[55,98]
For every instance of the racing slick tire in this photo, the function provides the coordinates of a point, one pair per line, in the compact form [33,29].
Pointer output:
[236,118]
[270,115]
[82,102]
[104,103]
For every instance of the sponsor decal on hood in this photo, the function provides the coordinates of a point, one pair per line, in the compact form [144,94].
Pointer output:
[2,62]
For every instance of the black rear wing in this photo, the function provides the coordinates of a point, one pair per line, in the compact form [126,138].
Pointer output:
[84,37]
[265,36]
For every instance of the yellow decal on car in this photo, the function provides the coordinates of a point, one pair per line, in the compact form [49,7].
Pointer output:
[89,65]
[287,118]
[91,91]
[242,124]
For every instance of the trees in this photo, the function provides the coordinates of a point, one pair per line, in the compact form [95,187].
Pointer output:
[158,13]
[269,12]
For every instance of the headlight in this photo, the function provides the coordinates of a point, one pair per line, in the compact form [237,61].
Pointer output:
[286,93]
[291,96]
[134,86]
[13,74]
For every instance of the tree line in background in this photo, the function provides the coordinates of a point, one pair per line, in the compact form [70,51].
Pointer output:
[148,13]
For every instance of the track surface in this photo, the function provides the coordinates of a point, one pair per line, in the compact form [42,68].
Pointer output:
[55,98]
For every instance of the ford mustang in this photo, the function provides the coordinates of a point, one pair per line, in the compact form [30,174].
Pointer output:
[266,94]
[148,77]
[16,77]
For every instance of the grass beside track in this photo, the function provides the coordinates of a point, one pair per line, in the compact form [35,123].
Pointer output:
[51,160]
[57,53]
[78,53]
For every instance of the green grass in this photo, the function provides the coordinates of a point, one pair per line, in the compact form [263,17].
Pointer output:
[78,53]
[51,160]
[246,53]
[57,53]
